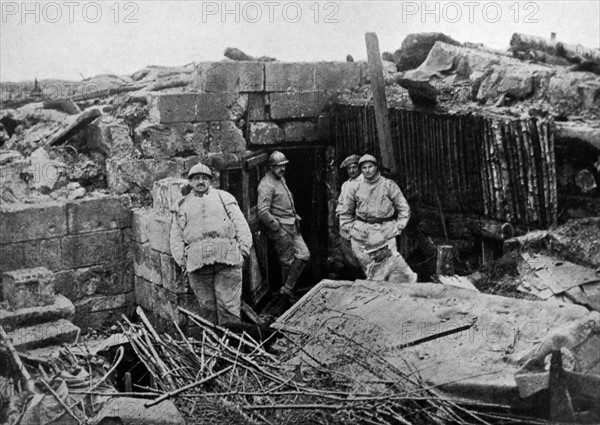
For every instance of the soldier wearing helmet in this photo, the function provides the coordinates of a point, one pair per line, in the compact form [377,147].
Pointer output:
[210,240]
[386,266]
[374,205]
[277,212]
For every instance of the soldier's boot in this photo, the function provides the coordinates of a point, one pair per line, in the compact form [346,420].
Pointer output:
[294,274]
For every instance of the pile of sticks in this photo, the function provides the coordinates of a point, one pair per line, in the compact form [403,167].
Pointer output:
[222,377]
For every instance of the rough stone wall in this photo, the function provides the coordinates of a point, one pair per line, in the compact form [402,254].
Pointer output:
[86,243]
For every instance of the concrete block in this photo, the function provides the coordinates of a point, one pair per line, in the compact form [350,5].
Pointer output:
[257,109]
[229,77]
[25,222]
[146,263]
[62,308]
[44,252]
[297,105]
[43,335]
[104,213]
[12,257]
[166,192]
[139,232]
[28,287]
[172,277]
[168,108]
[85,282]
[159,228]
[300,131]
[167,141]
[156,299]
[265,133]
[226,137]
[338,75]
[297,76]
[91,249]
[126,174]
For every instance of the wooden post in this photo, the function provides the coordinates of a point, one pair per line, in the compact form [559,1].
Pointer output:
[384,132]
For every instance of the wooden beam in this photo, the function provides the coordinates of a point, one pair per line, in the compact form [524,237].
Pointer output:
[384,132]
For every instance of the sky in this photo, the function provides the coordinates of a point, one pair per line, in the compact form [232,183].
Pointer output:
[79,39]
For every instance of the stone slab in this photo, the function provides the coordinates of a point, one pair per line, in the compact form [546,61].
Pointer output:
[168,108]
[12,257]
[44,334]
[76,284]
[172,277]
[402,323]
[62,308]
[265,133]
[104,213]
[25,222]
[146,263]
[165,193]
[89,249]
[284,76]
[229,77]
[128,174]
[44,253]
[306,104]
[28,287]
[338,75]
[155,228]
[162,302]
[300,131]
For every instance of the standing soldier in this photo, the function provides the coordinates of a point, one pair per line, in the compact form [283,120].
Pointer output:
[210,240]
[354,177]
[277,212]
[374,205]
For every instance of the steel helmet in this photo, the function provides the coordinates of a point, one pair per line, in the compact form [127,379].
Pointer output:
[367,158]
[200,168]
[277,158]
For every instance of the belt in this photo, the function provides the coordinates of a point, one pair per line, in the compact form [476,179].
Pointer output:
[375,220]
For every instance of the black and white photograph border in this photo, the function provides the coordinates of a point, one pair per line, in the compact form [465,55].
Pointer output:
[299,212]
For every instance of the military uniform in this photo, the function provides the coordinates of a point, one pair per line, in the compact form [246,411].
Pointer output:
[210,239]
[392,269]
[371,206]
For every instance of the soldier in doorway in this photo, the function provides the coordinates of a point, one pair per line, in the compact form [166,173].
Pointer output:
[210,240]
[354,177]
[375,204]
[277,212]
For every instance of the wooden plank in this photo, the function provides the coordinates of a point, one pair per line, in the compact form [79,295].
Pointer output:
[388,159]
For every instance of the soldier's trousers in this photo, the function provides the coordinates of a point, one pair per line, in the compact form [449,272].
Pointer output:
[218,289]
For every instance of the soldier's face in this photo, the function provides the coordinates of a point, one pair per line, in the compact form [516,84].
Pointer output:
[200,183]
[368,170]
[353,170]
[279,170]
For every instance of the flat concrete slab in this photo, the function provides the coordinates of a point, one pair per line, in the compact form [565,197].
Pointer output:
[43,335]
[467,344]
[62,308]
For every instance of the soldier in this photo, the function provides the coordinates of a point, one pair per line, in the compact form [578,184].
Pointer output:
[374,205]
[277,212]
[386,266]
[210,239]
[352,266]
